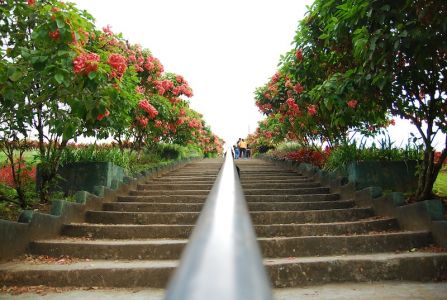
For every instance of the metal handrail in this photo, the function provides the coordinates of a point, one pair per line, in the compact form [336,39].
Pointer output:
[222,259]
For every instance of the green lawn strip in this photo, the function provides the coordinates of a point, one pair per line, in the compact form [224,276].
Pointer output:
[28,155]
[440,186]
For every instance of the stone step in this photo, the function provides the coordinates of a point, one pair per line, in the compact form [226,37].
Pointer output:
[310,216]
[295,191]
[178,193]
[319,229]
[92,273]
[159,249]
[299,206]
[144,218]
[262,217]
[278,186]
[163,180]
[98,231]
[244,176]
[289,180]
[301,271]
[152,207]
[283,272]
[174,186]
[194,173]
[341,245]
[292,198]
[164,199]
[196,207]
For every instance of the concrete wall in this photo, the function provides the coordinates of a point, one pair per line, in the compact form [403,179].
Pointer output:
[420,216]
[16,236]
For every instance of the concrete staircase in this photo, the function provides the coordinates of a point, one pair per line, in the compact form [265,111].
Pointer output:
[134,242]
[309,235]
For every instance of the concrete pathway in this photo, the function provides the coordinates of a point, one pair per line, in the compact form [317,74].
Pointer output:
[357,291]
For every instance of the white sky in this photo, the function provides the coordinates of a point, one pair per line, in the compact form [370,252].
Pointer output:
[225,49]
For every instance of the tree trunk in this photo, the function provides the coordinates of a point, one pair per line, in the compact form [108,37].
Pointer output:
[427,176]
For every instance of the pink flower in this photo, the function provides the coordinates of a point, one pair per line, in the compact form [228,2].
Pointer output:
[311,110]
[142,121]
[298,88]
[86,63]
[158,124]
[179,79]
[139,89]
[147,107]
[107,30]
[118,64]
[352,103]
[392,122]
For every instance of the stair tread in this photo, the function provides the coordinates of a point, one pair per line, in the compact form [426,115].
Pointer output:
[86,264]
[350,236]
[353,257]
[120,242]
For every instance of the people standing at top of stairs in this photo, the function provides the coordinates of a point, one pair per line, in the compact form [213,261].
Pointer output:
[243,148]
[235,152]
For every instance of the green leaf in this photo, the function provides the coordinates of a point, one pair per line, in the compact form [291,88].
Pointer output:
[324,36]
[60,23]
[92,75]
[16,75]
[59,78]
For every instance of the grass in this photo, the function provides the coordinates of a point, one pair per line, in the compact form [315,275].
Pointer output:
[28,155]
[440,186]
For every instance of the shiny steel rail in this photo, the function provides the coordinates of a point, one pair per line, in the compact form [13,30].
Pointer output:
[222,259]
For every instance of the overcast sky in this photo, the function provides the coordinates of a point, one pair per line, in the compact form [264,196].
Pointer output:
[225,49]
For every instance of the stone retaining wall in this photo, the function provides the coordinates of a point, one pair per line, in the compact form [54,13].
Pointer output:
[16,236]
[426,215]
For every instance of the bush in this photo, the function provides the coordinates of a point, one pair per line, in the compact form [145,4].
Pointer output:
[343,155]
[97,153]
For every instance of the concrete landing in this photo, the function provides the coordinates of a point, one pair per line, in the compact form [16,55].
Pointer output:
[357,291]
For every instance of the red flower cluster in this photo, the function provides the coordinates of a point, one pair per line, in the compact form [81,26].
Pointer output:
[140,90]
[163,86]
[352,103]
[102,116]
[142,121]
[107,30]
[158,124]
[438,157]
[118,64]
[154,65]
[54,35]
[294,109]
[195,124]
[299,54]
[312,110]
[298,88]
[31,2]
[264,107]
[183,89]
[7,178]
[147,107]
[86,63]
[310,156]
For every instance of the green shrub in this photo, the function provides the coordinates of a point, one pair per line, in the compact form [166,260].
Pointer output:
[341,156]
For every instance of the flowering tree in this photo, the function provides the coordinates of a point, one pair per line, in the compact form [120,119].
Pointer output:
[399,49]
[62,78]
